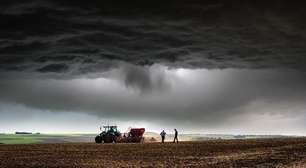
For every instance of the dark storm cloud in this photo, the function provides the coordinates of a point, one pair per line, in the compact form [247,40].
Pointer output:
[83,37]
[123,60]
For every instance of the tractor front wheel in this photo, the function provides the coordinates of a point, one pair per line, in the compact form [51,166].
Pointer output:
[98,139]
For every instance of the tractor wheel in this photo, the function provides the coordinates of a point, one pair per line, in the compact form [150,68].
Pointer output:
[98,139]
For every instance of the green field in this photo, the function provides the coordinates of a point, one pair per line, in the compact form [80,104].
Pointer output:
[20,139]
[42,138]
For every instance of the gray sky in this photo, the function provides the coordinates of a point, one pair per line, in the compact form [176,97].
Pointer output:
[201,100]
[199,66]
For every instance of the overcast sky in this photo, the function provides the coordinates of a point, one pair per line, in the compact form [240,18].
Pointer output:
[198,66]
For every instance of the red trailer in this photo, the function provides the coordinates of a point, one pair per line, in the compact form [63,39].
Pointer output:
[138,132]
[135,135]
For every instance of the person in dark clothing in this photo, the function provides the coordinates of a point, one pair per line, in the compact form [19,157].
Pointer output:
[175,136]
[163,135]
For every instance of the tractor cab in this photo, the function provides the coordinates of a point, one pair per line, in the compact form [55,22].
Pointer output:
[110,129]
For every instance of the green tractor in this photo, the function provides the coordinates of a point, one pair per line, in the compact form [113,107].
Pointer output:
[109,135]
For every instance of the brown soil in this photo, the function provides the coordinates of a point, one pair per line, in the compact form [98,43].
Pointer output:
[215,153]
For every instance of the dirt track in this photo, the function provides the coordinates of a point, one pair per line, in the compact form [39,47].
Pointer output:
[217,153]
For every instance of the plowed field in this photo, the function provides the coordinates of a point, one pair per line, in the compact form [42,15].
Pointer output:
[215,153]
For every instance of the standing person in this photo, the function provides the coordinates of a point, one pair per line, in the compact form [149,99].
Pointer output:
[163,135]
[175,136]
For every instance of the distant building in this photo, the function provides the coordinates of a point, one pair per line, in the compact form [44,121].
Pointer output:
[23,133]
